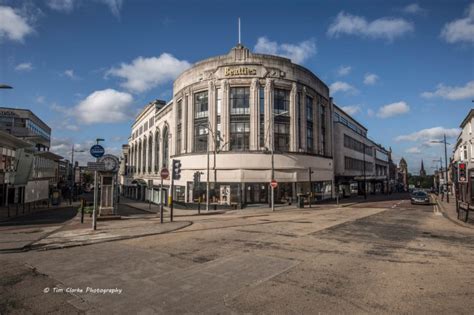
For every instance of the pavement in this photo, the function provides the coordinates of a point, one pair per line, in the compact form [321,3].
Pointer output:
[18,210]
[449,211]
[383,257]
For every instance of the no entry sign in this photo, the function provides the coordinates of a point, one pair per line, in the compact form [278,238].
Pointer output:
[164,173]
[274,183]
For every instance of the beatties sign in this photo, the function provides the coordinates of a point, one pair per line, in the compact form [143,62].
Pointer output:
[239,71]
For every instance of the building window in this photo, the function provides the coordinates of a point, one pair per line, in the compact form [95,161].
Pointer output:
[200,121]
[261,92]
[239,118]
[239,101]
[200,105]
[157,151]
[464,153]
[281,120]
[166,148]
[323,129]
[200,137]
[282,136]
[218,118]
[355,145]
[352,164]
[239,135]
[179,126]
[150,152]
[144,156]
[309,124]
[281,102]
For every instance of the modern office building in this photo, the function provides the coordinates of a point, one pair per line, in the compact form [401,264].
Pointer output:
[239,120]
[357,159]
[24,124]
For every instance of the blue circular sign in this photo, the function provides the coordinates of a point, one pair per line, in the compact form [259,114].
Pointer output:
[97,151]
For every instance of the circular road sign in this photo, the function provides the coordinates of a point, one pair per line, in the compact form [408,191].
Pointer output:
[274,183]
[164,173]
[97,151]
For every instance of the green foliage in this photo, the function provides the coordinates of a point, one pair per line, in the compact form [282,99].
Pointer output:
[87,210]
[421,182]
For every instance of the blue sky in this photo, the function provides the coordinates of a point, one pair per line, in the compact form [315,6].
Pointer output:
[404,69]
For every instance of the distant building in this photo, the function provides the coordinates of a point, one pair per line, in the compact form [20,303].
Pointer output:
[464,153]
[357,159]
[24,124]
[403,174]
[422,170]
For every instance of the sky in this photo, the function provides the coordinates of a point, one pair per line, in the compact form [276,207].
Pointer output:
[403,69]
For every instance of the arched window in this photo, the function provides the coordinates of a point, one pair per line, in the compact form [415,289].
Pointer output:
[157,151]
[150,152]
[144,156]
[165,147]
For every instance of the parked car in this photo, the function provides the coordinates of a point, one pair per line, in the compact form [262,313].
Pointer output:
[420,197]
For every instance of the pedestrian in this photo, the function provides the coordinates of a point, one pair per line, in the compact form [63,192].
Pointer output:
[442,194]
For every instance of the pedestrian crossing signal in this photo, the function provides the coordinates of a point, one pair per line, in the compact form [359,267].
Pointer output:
[462,176]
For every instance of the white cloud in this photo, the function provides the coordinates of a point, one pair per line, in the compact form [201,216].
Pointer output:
[413,150]
[340,86]
[413,8]
[105,106]
[429,134]
[344,70]
[393,109]
[70,74]
[452,93]
[370,78]
[40,99]
[61,5]
[25,66]
[297,53]
[351,110]
[146,73]
[12,25]
[385,28]
[461,30]
[114,5]
[370,112]
[68,6]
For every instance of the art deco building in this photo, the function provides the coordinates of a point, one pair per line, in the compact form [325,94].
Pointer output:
[240,107]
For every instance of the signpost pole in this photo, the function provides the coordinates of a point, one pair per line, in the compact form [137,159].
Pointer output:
[171,194]
[161,200]
[94,212]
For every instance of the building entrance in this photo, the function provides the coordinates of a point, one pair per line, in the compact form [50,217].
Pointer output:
[256,193]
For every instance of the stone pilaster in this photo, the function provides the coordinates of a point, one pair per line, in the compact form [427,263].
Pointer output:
[190,122]
[225,114]
[254,115]
[268,113]
[184,132]
[212,110]
[293,119]
[316,124]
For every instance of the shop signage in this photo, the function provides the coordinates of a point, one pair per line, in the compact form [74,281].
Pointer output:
[230,72]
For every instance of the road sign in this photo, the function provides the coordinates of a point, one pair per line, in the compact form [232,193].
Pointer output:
[274,183]
[96,166]
[164,173]
[97,150]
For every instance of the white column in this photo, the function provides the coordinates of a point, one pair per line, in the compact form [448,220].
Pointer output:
[184,132]
[293,119]
[212,110]
[190,122]
[268,112]
[225,117]
[254,115]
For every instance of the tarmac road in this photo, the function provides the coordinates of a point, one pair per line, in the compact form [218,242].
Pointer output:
[380,258]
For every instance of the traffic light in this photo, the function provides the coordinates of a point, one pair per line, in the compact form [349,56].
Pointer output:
[196,178]
[462,176]
[176,169]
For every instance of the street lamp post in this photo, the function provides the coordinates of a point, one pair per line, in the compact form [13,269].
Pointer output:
[96,193]
[273,154]
[445,163]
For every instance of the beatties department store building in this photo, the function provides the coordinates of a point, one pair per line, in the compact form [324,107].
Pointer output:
[233,105]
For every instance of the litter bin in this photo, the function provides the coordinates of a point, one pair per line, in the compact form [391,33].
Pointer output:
[300,201]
